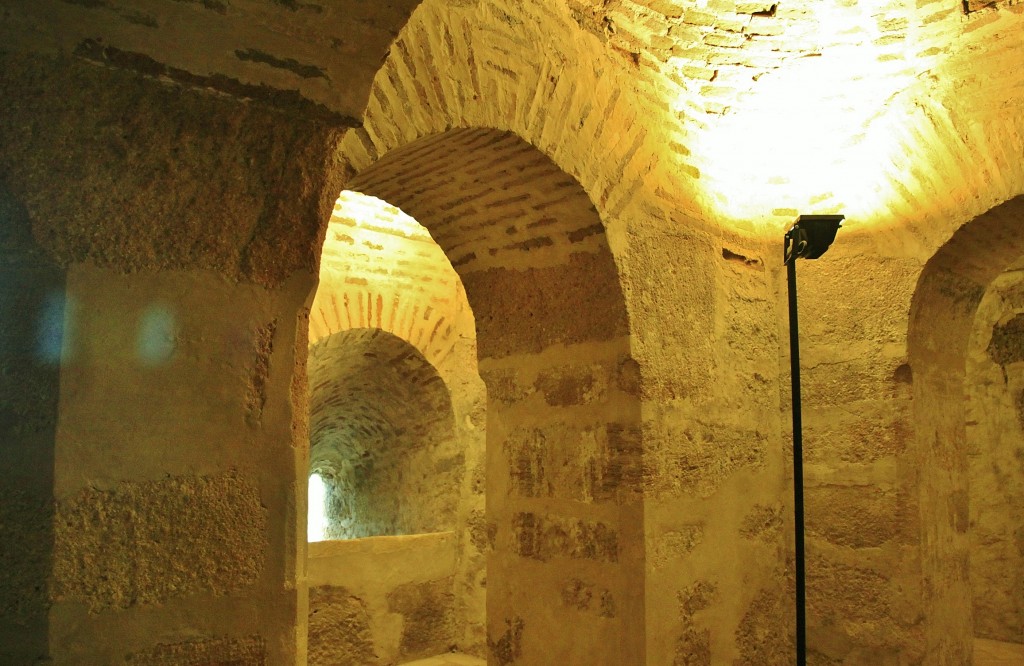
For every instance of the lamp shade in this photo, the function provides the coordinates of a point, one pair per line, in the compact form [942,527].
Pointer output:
[811,236]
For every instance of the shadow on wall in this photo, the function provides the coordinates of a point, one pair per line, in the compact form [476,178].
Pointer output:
[384,458]
[32,302]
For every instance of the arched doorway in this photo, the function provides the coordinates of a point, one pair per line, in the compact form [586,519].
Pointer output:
[396,443]
[944,315]
[382,439]
[564,522]
[995,461]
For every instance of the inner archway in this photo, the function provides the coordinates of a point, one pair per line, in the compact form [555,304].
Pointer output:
[382,438]
[396,415]
[945,307]
[995,457]
[564,522]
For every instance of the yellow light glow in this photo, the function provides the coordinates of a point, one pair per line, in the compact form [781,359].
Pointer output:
[827,127]
[380,268]
[818,136]
[363,223]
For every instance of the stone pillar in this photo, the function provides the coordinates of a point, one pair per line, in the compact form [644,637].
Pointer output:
[153,384]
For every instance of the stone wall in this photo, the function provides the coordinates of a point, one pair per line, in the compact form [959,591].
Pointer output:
[382,600]
[860,509]
[995,449]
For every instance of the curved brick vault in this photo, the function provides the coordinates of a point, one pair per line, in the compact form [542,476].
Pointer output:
[382,437]
[381,269]
[654,105]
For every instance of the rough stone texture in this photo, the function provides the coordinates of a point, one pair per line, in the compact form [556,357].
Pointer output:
[675,361]
[325,59]
[384,600]
[673,546]
[853,517]
[995,459]
[382,437]
[761,636]
[693,647]
[587,597]
[546,537]
[248,651]
[139,154]
[507,648]
[683,459]
[566,461]
[1007,342]
[428,617]
[145,543]
[763,523]
[339,628]
[568,317]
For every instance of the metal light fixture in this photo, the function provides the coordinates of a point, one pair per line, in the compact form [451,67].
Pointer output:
[809,238]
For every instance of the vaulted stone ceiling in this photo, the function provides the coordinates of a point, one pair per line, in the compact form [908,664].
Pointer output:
[326,51]
[739,113]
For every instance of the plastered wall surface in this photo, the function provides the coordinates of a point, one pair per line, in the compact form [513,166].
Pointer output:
[995,436]
[147,543]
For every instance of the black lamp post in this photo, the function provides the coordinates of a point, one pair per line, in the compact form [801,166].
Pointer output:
[809,238]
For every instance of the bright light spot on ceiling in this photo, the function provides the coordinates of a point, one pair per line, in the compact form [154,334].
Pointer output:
[816,137]
[367,223]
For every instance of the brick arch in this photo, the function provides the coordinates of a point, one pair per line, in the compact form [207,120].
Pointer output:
[380,418]
[495,204]
[563,435]
[389,309]
[534,72]
[941,322]
[380,269]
